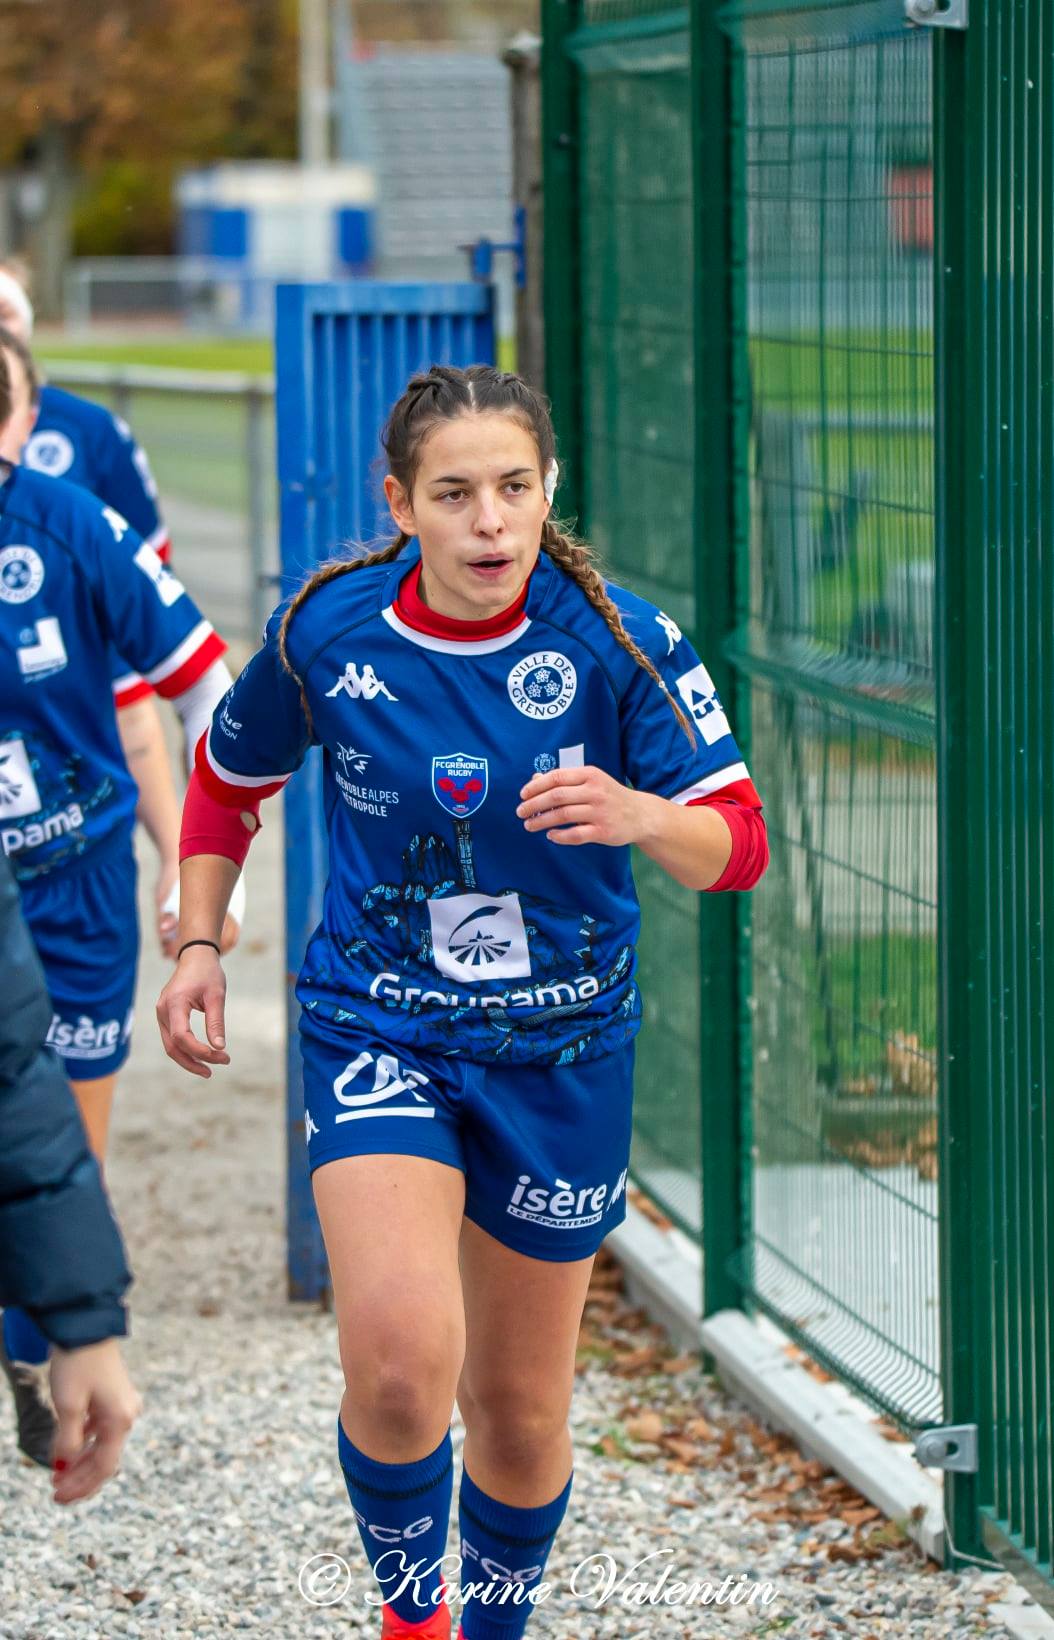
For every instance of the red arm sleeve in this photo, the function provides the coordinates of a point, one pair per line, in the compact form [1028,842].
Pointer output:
[750,843]
[211,827]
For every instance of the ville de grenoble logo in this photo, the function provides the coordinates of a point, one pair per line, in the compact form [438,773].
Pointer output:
[543,685]
[21,574]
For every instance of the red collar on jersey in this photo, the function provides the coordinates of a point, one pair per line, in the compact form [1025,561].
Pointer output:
[414,612]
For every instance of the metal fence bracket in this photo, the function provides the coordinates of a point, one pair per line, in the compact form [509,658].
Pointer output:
[950,1446]
[931,14]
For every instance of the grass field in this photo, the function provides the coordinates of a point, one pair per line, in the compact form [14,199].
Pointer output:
[254,354]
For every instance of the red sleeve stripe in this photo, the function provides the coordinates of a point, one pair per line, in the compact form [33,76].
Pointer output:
[129,688]
[226,787]
[740,791]
[722,780]
[187,661]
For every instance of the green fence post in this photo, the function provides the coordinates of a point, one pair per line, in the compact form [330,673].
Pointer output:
[723,924]
[560,251]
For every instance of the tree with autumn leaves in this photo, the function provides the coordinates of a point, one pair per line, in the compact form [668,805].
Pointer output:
[108,99]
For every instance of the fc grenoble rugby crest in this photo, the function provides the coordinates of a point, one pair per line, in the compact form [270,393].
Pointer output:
[459,783]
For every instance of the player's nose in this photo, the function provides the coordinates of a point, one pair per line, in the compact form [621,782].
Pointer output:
[489,520]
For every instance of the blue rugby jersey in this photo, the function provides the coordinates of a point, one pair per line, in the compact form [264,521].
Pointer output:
[87,444]
[446,926]
[76,579]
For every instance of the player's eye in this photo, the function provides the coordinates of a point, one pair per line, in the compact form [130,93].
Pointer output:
[452,495]
[517,486]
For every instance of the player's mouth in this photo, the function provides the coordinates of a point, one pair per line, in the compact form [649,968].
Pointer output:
[490,568]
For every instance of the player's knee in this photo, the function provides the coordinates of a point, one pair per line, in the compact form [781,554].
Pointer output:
[401,1382]
[514,1423]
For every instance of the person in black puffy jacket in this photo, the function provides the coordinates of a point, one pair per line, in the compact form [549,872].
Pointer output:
[61,1254]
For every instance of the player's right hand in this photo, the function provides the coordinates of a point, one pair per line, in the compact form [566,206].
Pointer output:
[198,985]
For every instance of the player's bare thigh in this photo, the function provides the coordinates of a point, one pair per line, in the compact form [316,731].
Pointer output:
[391,1225]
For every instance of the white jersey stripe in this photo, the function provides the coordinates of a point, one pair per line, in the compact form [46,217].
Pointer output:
[181,654]
[713,783]
[125,681]
[156,537]
[452,646]
[250,781]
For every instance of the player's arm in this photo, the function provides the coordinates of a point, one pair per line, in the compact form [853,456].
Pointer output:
[256,740]
[157,809]
[690,804]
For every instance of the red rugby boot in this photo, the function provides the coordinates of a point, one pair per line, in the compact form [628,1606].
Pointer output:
[436,1626]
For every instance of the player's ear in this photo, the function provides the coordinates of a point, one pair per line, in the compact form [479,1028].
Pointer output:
[399,505]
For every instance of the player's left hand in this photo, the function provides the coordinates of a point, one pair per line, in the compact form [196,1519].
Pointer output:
[581,806]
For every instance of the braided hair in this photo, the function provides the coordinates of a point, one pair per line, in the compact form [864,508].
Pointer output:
[439,395]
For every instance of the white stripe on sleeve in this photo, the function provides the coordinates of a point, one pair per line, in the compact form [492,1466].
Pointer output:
[713,783]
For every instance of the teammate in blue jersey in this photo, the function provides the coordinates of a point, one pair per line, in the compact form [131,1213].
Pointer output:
[76,580]
[498,726]
[85,443]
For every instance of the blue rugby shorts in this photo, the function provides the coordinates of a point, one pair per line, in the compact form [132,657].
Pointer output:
[544,1149]
[85,926]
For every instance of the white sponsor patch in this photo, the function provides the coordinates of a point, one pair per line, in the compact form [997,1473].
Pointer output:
[168,588]
[48,451]
[21,574]
[389,1081]
[696,689]
[84,1038]
[479,937]
[45,653]
[543,685]
[18,789]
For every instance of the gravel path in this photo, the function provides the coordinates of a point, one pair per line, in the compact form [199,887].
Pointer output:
[230,1483]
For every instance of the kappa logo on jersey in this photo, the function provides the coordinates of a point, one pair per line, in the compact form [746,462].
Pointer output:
[389,1081]
[168,588]
[543,685]
[350,759]
[560,1206]
[479,937]
[309,1127]
[117,522]
[696,689]
[21,574]
[459,783]
[672,631]
[18,789]
[49,451]
[360,686]
[42,651]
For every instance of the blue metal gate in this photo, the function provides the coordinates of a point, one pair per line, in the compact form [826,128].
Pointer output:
[343,354]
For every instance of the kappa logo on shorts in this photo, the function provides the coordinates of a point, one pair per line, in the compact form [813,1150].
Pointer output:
[389,1081]
[18,789]
[364,685]
[21,574]
[696,689]
[543,685]
[479,937]
[459,783]
[49,451]
[561,1206]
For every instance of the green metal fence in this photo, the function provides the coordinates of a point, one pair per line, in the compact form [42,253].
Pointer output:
[772,430]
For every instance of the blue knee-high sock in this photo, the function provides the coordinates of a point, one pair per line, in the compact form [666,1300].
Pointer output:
[402,1510]
[23,1339]
[507,1547]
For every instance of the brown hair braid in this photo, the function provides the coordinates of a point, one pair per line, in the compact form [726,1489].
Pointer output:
[576,559]
[439,395]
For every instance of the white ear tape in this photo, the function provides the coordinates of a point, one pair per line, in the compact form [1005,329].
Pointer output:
[552,473]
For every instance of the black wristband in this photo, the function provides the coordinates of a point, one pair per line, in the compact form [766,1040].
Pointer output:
[189,943]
